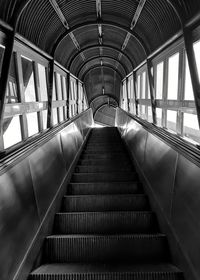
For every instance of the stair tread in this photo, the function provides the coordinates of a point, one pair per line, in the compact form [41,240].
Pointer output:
[120,236]
[106,212]
[107,195]
[60,268]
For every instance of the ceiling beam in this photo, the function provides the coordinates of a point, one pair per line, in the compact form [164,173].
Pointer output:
[99,16]
[101,57]
[99,66]
[63,20]
[145,48]
[92,47]
[137,13]
[133,23]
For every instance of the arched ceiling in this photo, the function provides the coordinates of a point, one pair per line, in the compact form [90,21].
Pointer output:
[99,40]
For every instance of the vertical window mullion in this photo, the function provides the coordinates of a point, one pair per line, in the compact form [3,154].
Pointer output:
[23,117]
[164,95]
[181,87]
[38,93]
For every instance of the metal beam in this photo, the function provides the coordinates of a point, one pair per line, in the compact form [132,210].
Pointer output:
[152,90]
[137,13]
[63,20]
[106,23]
[97,46]
[193,69]
[58,11]
[99,66]
[7,61]
[100,57]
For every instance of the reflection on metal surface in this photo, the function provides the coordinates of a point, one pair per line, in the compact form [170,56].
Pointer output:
[27,189]
[172,181]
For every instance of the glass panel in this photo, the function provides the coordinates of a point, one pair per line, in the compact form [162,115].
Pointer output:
[12,131]
[142,111]
[11,91]
[150,117]
[171,119]
[55,116]
[43,82]
[196,46]
[159,81]
[189,95]
[61,117]
[32,121]
[28,78]
[159,116]
[143,85]
[65,112]
[173,70]
[1,56]
[64,88]
[138,86]
[191,127]
[44,119]
[54,88]
[148,90]
[59,88]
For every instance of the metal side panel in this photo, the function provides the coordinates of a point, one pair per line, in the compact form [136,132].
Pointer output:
[48,171]
[18,217]
[71,139]
[159,168]
[134,135]
[186,209]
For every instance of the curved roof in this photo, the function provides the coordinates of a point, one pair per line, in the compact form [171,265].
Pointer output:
[98,40]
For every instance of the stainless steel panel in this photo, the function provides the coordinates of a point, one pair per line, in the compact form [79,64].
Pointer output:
[71,139]
[47,170]
[159,168]
[186,209]
[18,217]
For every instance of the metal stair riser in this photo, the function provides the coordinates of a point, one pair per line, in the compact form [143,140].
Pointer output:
[103,177]
[105,223]
[141,248]
[110,276]
[105,168]
[105,203]
[104,188]
[102,162]
[114,156]
[112,150]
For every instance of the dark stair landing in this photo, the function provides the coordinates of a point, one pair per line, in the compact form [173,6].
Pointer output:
[106,229]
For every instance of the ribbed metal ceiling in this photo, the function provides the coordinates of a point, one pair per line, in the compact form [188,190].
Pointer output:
[42,25]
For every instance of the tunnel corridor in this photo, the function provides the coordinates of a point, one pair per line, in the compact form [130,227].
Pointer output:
[120,201]
[105,228]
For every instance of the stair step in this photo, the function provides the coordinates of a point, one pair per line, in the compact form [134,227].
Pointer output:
[101,271]
[100,149]
[114,156]
[100,162]
[105,223]
[94,203]
[106,248]
[104,168]
[104,188]
[103,177]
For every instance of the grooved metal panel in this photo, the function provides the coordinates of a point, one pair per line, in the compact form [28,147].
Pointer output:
[77,12]
[41,25]
[107,61]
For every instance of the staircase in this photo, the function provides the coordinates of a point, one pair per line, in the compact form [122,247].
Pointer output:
[106,229]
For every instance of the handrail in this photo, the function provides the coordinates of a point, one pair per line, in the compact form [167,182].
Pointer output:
[191,151]
[22,149]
